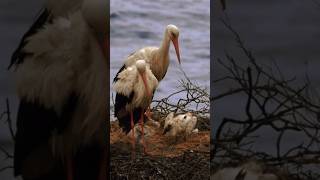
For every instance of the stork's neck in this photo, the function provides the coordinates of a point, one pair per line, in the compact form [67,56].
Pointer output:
[162,57]
[165,45]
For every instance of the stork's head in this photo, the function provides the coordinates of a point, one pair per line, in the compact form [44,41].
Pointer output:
[96,14]
[141,67]
[173,33]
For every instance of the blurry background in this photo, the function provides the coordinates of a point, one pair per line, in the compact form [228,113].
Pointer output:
[15,19]
[136,24]
[286,32]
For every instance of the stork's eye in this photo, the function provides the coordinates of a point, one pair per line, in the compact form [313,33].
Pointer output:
[173,35]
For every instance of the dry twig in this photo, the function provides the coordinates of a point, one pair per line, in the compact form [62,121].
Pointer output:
[273,102]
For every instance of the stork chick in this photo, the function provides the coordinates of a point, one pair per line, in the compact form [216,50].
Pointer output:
[183,124]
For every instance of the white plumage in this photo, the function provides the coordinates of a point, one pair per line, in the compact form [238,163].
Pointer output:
[130,81]
[183,124]
[158,57]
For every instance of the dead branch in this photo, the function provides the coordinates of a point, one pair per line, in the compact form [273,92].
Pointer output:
[195,99]
[273,102]
[8,120]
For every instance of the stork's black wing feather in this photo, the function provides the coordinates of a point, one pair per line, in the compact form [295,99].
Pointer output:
[122,114]
[18,55]
[121,69]
[35,125]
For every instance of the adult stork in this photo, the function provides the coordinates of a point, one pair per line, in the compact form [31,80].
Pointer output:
[61,78]
[156,57]
[135,86]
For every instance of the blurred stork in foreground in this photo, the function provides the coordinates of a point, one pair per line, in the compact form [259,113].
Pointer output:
[156,57]
[135,86]
[62,83]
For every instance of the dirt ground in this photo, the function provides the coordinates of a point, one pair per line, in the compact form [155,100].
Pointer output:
[166,158]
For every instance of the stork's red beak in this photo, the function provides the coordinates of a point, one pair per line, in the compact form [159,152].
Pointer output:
[143,76]
[176,47]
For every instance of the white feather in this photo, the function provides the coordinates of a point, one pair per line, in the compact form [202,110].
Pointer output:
[126,81]
[130,81]
[181,124]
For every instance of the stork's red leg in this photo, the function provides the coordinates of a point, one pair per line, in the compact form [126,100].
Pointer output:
[142,131]
[148,112]
[132,135]
[69,169]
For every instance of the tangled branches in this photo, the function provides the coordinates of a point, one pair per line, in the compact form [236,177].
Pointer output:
[195,100]
[274,104]
[8,120]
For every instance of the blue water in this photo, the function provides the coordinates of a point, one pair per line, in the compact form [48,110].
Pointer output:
[136,24]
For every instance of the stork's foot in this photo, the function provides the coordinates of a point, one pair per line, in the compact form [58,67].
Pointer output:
[143,146]
[145,152]
[149,114]
[133,145]
[133,138]
[142,131]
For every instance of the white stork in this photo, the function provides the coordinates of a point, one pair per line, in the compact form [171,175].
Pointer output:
[135,86]
[156,57]
[62,83]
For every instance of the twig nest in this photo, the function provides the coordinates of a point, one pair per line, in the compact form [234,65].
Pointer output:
[183,124]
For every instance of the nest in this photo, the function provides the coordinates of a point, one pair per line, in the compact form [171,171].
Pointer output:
[189,165]
[186,157]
